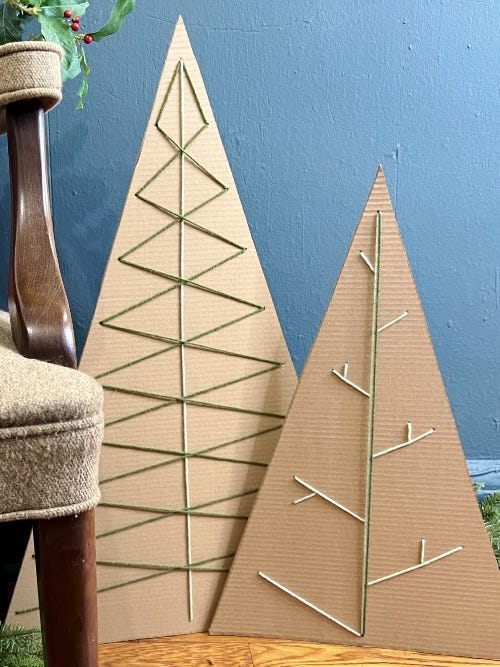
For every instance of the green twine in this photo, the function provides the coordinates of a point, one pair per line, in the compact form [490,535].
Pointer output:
[164,569]
[181,219]
[184,455]
[184,510]
[194,567]
[165,513]
[205,123]
[198,567]
[170,400]
[200,452]
[256,309]
[371,419]
[179,456]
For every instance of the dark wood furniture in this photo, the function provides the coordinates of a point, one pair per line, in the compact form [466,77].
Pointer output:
[42,329]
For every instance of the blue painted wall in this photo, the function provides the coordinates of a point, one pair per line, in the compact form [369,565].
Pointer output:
[310,96]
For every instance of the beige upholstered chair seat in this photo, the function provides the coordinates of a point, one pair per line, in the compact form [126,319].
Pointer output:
[50,434]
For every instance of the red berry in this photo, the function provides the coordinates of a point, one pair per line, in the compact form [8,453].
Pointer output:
[67,13]
[74,27]
[87,39]
[76,19]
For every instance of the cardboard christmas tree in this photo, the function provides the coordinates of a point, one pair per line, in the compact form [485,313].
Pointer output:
[197,377]
[352,539]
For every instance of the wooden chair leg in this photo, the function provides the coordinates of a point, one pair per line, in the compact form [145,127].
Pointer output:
[66,573]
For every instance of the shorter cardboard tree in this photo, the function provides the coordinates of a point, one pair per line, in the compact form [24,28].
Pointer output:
[350,540]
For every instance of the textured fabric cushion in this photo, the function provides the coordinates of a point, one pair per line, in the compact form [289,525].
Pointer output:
[50,436]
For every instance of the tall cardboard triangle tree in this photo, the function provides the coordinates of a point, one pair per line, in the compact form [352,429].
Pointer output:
[197,376]
[366,530]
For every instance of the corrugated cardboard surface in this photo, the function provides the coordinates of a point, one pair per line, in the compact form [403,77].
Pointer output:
[314,549]
[192,359]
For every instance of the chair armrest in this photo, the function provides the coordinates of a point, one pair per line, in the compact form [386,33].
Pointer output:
[39,310]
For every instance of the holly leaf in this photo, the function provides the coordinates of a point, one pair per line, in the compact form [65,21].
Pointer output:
[84,86]
[55,8]
[120,10]
[11,25]
[55,30]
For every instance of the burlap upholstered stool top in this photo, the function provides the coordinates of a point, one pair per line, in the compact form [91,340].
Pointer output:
[50,433]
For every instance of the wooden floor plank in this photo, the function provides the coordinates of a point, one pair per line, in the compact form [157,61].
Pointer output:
[172,652]
[274,654]
[201,650]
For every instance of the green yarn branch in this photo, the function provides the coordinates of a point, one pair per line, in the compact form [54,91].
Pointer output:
[20,647]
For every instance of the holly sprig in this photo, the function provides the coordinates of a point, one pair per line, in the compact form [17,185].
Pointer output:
[60,22]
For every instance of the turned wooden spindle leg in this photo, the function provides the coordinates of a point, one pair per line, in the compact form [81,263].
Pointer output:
[66,574]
